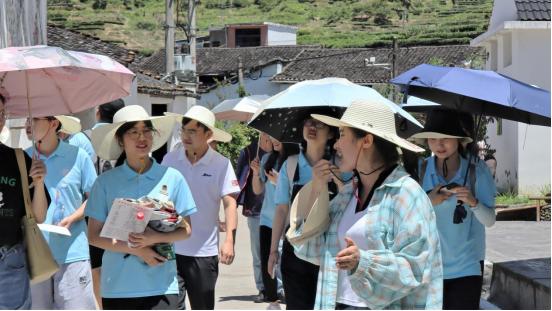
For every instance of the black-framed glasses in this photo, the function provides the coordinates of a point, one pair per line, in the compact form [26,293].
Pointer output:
[314,123]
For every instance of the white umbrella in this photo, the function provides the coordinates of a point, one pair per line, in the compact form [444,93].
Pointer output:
[238,109]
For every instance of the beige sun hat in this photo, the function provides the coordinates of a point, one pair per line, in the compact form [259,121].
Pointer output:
[316,222]
[105,143]
[69,124]
[5,135]
[371,117]
[205,117]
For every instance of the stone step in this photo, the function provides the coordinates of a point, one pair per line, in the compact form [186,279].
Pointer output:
[522,284]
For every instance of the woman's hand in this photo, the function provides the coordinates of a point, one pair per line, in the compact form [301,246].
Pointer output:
[348,258]
[273,262]
[147,238]
[255,166]
[149,256]
[273,176]
[37,171]
[464,194]
[321,175]
[336,172]
[437,196]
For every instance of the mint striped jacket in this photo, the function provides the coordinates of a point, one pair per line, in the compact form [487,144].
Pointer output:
[403,268]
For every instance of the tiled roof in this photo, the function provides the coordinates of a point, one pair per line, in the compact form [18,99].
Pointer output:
[354,64]
[75,41]
[222,61]
[533,10]
[152,86]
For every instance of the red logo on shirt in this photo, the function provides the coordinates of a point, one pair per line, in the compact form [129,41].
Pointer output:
[235,183]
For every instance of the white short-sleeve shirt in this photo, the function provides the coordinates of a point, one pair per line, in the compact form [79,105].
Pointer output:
[209,179]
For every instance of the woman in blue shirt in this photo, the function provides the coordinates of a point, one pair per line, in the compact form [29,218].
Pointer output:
[463,195]
[265,178]
[298,276]
[137,277]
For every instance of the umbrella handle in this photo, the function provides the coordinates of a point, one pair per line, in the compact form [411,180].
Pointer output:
[258,145]
[36,149]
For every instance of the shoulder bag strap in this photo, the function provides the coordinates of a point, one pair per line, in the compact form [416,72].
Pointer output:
[24,182]
[291,167]
[472,178]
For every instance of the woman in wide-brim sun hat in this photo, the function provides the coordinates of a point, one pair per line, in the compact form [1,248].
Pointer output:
[381,249]
[138,277]
[462,212]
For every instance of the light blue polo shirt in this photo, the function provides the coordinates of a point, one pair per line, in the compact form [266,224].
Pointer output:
[283,190]
[462,245]
[82,141]
[70,175]
[267,211]
[131,277]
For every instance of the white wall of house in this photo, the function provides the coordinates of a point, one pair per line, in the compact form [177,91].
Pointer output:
[281,35]
[520,50]
[260,86]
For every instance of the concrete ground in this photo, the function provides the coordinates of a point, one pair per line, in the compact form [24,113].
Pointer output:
[236,286]
[506,241]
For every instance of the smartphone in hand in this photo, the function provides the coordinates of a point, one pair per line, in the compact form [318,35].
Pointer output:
[449,188]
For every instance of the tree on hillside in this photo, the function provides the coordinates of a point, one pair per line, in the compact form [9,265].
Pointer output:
[99,4]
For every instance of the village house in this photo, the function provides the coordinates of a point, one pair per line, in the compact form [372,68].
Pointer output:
[517,44]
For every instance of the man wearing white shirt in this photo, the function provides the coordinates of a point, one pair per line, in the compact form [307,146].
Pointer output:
[211,179]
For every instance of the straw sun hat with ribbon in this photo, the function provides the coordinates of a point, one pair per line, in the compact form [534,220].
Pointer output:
[69,124]
[105,143]
[367,116]
[442,123]
[205,117]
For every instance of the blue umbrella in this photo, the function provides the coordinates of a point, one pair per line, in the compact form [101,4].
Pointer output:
[479,92]
[281,115]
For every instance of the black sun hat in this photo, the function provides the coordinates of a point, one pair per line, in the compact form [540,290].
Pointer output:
[441,123]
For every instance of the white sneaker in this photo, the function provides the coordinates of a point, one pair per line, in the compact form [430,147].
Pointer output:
[273,306]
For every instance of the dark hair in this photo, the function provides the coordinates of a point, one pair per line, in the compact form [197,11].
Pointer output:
[185,121]
[468,125]
[121,132]
[55,119]
[276,159]
[2,99]
[108,110]
[391,154]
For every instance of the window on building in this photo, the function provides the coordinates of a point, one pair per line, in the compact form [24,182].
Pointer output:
[248,37]
[507,50]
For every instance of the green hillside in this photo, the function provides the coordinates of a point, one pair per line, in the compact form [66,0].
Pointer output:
[138,24]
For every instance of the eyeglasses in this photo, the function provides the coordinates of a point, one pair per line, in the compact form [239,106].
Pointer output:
[314,123]
[188,132]
[28,121]
[135,134]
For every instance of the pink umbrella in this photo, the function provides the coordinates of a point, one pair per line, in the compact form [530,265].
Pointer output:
[41,81]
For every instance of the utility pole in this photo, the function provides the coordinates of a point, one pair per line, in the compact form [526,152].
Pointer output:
[241,88]
[192,4]
[169,36]
[394,65]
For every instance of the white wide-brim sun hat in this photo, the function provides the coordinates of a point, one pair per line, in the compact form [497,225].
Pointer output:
[373,118]
[205,117]
[105,143]
[69,124]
